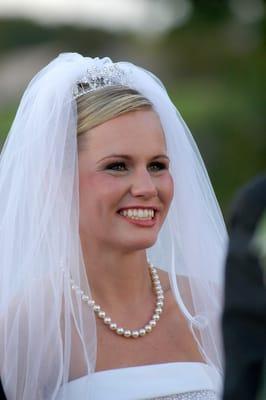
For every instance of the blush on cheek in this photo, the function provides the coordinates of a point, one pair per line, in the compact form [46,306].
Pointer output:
[171,185]
[168,188]
[100,192]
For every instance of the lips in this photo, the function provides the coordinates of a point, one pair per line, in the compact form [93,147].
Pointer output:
[139,215]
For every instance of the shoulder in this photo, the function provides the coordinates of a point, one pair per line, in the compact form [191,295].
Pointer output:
[183,284]
[176,325]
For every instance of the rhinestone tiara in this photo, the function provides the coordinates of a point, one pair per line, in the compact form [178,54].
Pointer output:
[98,77]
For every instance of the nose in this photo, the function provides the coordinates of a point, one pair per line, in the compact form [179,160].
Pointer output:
[143,185]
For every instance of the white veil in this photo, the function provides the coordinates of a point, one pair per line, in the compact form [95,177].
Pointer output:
[41,319]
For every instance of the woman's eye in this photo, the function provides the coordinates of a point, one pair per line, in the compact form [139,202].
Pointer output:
[157,166]
[116,166]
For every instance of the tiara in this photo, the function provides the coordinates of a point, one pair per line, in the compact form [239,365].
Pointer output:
[99,77]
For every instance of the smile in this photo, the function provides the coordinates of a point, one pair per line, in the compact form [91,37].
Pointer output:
[144,214]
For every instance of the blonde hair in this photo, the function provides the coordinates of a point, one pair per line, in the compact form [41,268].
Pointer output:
[99,106]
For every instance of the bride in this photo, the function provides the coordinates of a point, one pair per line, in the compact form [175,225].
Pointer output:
[112,242]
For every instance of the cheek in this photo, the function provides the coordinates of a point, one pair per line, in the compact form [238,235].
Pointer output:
[167,189]
[99,190]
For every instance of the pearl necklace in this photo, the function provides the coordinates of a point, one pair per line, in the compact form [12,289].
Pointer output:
[127,333]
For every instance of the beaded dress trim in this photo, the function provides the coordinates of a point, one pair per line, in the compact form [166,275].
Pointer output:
[195,395]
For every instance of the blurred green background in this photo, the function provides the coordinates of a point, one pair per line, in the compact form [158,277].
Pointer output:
[209,54]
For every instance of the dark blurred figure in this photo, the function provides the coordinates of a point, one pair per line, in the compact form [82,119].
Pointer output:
[244,318]
[2,394]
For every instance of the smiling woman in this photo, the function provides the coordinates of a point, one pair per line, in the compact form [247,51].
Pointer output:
[122,167]
[112,242]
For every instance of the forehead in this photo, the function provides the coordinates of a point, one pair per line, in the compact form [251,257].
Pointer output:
[133,133]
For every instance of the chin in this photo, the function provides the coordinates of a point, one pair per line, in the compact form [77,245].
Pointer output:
[139,244]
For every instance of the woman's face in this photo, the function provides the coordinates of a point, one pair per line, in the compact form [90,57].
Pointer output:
[124,182]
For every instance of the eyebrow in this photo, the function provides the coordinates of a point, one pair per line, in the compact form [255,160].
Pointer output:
[127,157]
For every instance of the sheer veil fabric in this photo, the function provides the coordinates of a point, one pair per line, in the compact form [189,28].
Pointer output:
[41,319]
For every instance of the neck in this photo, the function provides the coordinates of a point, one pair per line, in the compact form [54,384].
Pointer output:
[117,278]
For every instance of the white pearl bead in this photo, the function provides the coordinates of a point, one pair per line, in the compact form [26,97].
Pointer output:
[158,310]
[159,303]
[135,334]
[101,314]
[91,302]
[142,332]
[96,308]
[120,331]
[127,333]
[148,328]
[113,326]
[107,320]
[156,317]
[160,297]
[85,297]
[152,323]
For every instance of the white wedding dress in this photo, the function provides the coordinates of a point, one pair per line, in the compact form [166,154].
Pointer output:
[167,381]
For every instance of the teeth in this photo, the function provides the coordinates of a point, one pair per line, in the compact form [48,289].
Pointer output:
[138,213]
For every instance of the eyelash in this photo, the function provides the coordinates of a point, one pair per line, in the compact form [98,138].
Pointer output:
[116,165]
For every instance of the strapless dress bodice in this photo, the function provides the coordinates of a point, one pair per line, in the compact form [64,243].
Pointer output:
[167,381]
